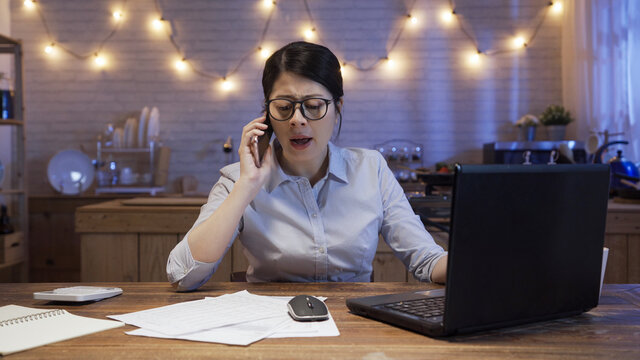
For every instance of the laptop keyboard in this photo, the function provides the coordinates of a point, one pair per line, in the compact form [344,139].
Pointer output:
[424,308]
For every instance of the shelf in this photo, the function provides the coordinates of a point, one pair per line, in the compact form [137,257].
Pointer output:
[11,122]
[125,151]
[12,192]
[130,190]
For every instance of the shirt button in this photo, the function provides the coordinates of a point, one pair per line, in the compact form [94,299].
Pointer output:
[314,215]
[321,250]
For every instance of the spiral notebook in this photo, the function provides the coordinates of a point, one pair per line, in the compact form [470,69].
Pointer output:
[23,328]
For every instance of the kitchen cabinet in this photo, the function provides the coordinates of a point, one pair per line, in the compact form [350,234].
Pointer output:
[13,193]
[622,237]
[54,246]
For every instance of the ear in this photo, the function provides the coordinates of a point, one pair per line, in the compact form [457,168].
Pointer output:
[339,104]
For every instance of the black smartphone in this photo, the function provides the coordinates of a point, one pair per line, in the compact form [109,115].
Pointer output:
[263,141]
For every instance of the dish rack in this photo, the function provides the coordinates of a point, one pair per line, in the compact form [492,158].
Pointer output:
[132,170]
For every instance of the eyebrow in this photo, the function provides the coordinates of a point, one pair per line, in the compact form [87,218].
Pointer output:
[287,96]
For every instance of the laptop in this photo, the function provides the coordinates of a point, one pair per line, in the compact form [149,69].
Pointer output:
[525,245]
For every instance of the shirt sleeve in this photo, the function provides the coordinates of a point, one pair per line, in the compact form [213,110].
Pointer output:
[402,229]
[182,268]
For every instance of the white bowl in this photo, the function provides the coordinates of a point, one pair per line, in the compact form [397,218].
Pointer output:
[70,172]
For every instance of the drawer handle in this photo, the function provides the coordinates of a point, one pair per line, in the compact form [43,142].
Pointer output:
[15,244]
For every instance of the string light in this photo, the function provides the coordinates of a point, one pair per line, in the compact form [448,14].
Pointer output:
[181,64]
[474,58]
[343,70]
[556,7]
[309,34]
[264,52]
[391,64]
[412,20]
[49,48]
[99,60]
[447,16]
[519,42]
[158,24]
[226,84]
[268,4]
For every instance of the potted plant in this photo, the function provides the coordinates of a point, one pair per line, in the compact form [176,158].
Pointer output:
[527,125]
[555,119]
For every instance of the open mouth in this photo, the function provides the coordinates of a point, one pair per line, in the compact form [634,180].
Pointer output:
[300,141]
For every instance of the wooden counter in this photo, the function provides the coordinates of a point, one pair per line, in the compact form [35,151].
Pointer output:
[622,237]
[125,242]
[132,242]
[609,331]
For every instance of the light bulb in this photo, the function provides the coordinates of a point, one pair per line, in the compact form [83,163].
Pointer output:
[556,7]
[99,60]
[309,34]
[49,48]
[447,16]
[158,24]
[268,4]
[226,84]
[181,64]
[412,20]
[391,64]
[264,52]
[474,58]
[519,42]
[29,4]
[117,15]
[344,71]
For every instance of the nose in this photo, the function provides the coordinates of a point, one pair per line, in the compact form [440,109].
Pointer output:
[297,119]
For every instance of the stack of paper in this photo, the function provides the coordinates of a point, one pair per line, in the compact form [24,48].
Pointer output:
[236,319]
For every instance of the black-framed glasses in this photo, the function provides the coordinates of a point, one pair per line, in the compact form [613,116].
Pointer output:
[311,108]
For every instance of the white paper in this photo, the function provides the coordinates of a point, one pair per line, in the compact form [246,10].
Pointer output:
[238,334]
[193,316]
[236,319]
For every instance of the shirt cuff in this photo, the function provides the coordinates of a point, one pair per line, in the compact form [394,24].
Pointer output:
[183,269]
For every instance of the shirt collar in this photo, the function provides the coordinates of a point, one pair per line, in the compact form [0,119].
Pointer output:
[337,167]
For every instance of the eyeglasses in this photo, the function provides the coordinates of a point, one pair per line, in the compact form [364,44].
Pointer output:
[311,108]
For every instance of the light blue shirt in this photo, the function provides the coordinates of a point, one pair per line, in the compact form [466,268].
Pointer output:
[296,232]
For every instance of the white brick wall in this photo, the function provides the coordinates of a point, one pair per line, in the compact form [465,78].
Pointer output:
[436,99]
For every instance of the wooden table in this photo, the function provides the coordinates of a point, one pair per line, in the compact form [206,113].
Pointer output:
[610,331]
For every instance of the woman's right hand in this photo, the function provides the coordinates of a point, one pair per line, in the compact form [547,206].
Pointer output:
[250,174]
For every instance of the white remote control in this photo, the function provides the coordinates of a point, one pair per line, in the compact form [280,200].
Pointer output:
[78,293]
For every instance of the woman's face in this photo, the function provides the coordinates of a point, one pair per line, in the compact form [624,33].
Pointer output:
[303,140]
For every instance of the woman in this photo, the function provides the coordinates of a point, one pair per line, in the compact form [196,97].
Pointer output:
[309,211]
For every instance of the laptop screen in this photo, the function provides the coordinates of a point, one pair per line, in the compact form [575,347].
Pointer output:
[544,223]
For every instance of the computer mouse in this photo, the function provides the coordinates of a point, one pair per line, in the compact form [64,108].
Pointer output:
[307,308]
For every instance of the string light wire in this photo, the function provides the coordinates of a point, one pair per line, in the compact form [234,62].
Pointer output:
[454,11]
[68,50]
[205,73]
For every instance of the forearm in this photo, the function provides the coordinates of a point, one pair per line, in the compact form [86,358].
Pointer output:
[439,273]
[209,240]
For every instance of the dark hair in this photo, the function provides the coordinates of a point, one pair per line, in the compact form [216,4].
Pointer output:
[312,61]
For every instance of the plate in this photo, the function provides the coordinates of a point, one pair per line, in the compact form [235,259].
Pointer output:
[142,127]
[70,172]
[118,138]
[130,133]
[153,127]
